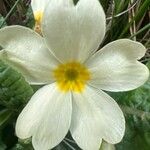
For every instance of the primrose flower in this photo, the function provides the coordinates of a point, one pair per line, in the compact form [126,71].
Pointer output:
[66,61]
[38,7]
[107,146]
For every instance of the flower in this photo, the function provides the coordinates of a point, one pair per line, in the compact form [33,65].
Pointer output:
[38,7]
[74,74]
[107,146]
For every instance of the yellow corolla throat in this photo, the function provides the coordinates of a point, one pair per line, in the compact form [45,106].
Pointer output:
[71,76]
[38,15]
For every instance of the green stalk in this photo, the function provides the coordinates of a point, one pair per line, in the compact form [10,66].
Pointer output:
[140,13]
[9,13]
[141,30]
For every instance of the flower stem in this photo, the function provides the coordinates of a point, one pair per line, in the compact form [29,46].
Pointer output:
[11,10]
[69,145]
[141,30]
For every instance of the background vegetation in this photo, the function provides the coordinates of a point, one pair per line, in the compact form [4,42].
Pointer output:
[125,19]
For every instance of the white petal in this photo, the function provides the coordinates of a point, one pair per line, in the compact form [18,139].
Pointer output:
[107,146]
[25,50]
[46,117]
[39,5]
[115,67]
[70,32]
[95,116]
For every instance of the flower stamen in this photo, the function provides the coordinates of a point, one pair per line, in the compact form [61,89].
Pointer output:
[38,19]
[71,76]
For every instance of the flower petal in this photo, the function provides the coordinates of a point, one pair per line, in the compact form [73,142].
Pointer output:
[95,116]
[25,50]
[39,5]
[107,146]
[115,67]
[46,117]
[70,32]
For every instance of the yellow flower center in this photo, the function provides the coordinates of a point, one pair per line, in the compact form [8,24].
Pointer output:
[71,76]
[38,15]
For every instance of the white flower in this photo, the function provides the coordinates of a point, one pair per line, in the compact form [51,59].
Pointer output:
[74,75]
[38,7]
[107,146]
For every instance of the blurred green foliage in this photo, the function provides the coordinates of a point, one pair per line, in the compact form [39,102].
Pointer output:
[21,14]
[14,94]
[14,90]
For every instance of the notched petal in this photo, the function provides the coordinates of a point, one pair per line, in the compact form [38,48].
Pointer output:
[116,68]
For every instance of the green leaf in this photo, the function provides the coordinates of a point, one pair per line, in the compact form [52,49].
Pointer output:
[30,22]
[8,135]
[23,145]
[5,115]
[14,90]
[105,4]
[120,5]
[62,146]
[2,145]
[144,6]
[2,21]
[136,107]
